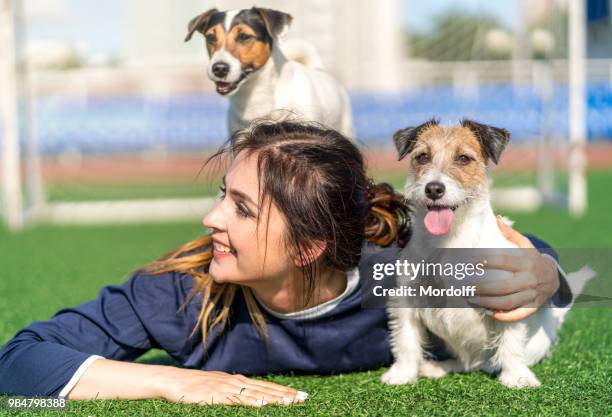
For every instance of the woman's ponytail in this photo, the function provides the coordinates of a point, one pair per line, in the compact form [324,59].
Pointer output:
[388,219]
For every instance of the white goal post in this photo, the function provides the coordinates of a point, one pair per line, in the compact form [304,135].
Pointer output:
[11,172]
[577,198]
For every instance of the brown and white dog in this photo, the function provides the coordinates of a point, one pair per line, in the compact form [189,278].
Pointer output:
[448,187]
[247,64]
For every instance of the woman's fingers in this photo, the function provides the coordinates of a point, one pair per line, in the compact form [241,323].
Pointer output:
[514,315]
[268,397]
[284,392]
[269,385]
[518,282]
[526,298]
[534,281]
[214,387]
[269,391]
[253,395]
[512,263]
[231,395]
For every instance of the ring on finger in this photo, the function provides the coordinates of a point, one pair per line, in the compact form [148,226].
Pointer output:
[242,390]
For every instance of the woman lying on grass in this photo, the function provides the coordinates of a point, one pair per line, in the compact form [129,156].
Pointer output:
[274,287]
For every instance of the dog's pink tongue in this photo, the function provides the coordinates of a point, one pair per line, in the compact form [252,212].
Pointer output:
[438,221]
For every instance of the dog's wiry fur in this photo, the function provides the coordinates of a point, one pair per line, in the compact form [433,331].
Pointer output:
[263,79]
[458,158]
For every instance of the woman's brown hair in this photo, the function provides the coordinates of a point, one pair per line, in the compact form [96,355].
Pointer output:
[316,178]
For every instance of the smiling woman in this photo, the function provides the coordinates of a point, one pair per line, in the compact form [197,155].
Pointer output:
[273,287]
[285,208]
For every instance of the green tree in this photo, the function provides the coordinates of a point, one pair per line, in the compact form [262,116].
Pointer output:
[457,36]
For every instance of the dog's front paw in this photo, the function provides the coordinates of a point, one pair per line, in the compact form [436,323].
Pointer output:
[519,379]
[399,375]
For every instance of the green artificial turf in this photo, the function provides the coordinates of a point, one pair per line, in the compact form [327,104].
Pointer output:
[46,268]
[113,191]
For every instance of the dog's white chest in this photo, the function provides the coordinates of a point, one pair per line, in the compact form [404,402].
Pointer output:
[465,331]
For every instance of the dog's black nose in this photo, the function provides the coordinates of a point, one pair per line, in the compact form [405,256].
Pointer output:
[220,69]
[435,190]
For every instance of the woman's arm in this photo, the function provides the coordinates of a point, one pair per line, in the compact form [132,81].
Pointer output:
[122,323]
[45,357]
[108,379]
[58,356]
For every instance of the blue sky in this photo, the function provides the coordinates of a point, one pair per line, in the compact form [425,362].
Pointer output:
[74,20]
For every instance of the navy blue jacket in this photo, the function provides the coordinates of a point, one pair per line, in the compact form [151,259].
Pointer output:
[127,320]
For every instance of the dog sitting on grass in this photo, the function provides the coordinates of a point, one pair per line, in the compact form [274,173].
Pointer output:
[448,187]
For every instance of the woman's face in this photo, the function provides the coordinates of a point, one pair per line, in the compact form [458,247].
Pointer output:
[239,245]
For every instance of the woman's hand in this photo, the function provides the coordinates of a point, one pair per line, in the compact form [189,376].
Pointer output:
[535,280]
[211,387]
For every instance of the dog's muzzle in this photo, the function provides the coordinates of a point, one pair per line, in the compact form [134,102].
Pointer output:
[224,87]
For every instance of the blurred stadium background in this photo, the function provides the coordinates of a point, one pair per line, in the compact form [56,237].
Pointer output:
[136,122]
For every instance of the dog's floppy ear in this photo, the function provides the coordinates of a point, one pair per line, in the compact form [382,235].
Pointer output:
[404,139]
[276,22]
[492,139]
[199,23]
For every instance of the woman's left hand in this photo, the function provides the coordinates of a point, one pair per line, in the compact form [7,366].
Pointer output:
[535,280]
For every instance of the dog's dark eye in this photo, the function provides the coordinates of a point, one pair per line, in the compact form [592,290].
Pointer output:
[211,38]
[244,37]
[422,158]
[463,159]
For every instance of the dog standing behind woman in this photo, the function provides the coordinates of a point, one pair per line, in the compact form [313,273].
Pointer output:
[448,187]
[260,78]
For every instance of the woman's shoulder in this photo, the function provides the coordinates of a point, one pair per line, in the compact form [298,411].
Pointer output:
[147,289]
[154,282]
[163,306]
